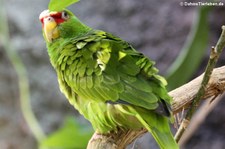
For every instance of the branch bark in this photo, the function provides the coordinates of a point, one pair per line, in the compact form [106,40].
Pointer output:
[182,98]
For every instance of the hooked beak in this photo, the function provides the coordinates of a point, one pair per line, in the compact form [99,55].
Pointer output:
[49,25]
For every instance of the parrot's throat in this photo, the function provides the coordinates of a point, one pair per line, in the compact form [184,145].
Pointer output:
[54,51]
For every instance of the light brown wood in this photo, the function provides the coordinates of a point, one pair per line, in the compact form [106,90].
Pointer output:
[183,95]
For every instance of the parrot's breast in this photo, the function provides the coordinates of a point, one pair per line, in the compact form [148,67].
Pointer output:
[106,117]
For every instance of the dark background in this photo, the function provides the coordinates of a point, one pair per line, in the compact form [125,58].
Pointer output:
[157,28]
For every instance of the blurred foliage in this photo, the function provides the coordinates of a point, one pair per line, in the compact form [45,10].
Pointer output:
[58,5]
[73,135]
[192,53]
[20,69]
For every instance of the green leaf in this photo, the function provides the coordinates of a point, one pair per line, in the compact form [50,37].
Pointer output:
[58,5]
[72,136]
[192,53]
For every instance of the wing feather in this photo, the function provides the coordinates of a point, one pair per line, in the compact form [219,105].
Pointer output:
[109,69]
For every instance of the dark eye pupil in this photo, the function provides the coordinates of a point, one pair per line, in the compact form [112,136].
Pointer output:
[64,15]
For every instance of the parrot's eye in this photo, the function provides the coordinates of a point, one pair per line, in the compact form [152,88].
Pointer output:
[65,15]
[48,19]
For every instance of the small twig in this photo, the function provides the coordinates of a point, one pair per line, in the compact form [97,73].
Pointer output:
[215,53]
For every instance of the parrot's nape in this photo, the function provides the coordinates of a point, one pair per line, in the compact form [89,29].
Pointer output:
[106,79]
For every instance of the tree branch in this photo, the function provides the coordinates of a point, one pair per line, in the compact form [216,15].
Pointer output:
[182,98]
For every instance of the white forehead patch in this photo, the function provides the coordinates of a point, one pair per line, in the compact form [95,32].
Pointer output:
[46,13]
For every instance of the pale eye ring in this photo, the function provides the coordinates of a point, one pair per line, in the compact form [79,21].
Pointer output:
[48,19]
[65,15]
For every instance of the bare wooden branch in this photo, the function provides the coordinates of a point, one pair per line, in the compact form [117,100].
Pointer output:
[182,97]
[114,140]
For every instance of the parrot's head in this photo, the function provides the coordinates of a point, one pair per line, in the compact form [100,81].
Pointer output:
[62,24]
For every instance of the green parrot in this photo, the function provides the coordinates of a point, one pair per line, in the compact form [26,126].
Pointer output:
[106,79]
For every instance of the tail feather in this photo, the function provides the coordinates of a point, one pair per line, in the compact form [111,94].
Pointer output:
[164,139]
[159,127]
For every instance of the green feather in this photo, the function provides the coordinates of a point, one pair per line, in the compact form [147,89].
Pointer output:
[89,81]
[80,45]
